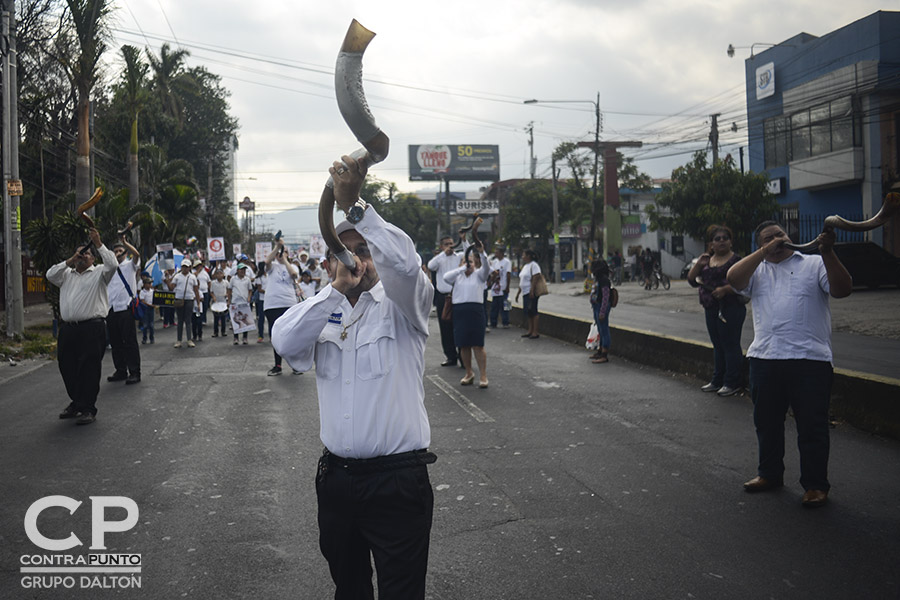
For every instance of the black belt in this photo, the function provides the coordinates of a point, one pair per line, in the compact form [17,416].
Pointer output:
[360,466]
[94,320]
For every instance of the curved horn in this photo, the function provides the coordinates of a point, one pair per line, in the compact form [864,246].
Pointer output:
[128,227]
[891,205]
[91,203]
[351,101]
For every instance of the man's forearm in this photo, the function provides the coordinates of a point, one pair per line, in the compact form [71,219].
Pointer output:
[739,275]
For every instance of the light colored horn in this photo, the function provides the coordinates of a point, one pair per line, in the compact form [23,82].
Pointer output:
[891,205]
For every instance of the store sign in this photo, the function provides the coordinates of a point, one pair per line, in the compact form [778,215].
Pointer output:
[483,207]
[765,81]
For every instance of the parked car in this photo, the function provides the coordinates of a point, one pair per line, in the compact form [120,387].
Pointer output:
[869,264]
[687,268]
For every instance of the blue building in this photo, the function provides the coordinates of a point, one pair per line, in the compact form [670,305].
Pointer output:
[824,123]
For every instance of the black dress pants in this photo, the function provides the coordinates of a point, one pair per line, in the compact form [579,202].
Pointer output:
[382,515]
[271,316]
[126,353]
[80,350]
[447,342]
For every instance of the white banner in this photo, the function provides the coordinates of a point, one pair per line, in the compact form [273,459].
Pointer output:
[216,248]
[236,248]
[165,256]
[317,247]
[262,251]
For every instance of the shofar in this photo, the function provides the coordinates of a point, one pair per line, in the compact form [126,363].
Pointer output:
[890,206]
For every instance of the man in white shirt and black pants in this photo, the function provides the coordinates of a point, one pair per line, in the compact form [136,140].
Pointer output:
[442,263]
[83,305]
[790,357]
[120,322]
[366,332]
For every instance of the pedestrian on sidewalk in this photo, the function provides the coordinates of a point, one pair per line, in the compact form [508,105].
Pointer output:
[280,294]
[530,268]
[147,318]
[601,305]
[725,310]
[502,267]
[187,291]
[468,281]
[83,306]
[121,328]
[367,334]
[218,292]
[790,357]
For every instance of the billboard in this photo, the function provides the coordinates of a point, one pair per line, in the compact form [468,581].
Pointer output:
[464,162]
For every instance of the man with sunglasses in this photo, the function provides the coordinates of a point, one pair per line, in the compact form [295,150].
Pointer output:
[366,333]
[790,357]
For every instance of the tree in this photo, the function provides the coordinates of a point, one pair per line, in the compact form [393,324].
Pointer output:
[88,23]
[700,195]
[170,82]
[135,95]
[419,221]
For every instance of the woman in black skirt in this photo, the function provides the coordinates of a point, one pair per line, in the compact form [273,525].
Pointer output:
[468,283]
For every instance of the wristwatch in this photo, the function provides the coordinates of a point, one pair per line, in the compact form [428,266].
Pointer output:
[356,212]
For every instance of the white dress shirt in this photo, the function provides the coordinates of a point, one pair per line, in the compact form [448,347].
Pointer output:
[791,314]
[469,288]
[184,285]
[442,264]
[83,296]
[119,298]
[371,395]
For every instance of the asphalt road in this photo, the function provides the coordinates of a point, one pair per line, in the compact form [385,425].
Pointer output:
[562,480]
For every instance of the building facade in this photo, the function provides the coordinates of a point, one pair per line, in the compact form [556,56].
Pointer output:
[824,123]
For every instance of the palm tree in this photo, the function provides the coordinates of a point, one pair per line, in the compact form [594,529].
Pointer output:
[136,95]
[90,29]
[170,80]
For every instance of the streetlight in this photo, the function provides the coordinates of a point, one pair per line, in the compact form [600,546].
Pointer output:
[752,46]
[596,169]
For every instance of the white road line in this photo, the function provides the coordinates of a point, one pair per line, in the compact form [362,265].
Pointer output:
[25,371]
[464,403]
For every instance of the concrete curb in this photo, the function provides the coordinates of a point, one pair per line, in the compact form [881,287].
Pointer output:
[868,402]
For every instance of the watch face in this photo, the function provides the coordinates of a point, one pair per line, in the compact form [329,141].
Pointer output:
[355,215]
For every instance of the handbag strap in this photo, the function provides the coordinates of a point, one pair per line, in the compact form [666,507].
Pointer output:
[127,287]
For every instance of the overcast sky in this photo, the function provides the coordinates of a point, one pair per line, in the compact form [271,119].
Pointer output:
[458,72]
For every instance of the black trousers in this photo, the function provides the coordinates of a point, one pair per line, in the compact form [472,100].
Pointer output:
[122,332]
[384,515]
[447,343]
[80,350]
[271,316]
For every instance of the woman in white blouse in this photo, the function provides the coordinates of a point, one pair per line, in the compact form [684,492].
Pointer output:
[529,269]
[468,283]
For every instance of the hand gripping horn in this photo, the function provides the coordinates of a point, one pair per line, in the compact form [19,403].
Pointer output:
[890,206]
[351,101]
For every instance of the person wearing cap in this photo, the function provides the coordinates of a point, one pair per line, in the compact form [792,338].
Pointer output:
[240,290]
[187,290]
[120,323]
[83,307]
[501,273]
[199,314]
[280,294]
[366,333]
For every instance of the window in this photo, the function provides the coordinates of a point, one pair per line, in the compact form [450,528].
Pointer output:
[818,130]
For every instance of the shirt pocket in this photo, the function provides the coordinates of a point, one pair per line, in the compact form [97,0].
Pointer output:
[376,349]
[329,353]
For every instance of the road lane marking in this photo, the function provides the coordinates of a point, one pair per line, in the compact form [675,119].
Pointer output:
[464,403]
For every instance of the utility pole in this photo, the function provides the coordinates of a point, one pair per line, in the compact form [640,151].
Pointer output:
[714,137]
[532,161]
[12,216]
[557,276]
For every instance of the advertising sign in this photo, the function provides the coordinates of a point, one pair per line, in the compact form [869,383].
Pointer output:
[464,162]
[216,248]
[483,207]
[765,81]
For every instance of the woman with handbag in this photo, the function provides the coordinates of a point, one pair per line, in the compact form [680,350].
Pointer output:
[601,304]
[187,290]
[725,310]
[529,275]
[469,320]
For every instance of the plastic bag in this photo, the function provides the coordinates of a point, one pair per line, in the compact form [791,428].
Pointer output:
[593,339]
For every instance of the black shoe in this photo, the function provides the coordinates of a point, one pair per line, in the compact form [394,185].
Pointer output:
[449,363]
[69,413]
[118,376]
[132,379]
[85,418]
[276,370]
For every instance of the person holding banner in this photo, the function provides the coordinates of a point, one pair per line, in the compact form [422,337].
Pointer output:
[187,291]
[280,294]
[240,290]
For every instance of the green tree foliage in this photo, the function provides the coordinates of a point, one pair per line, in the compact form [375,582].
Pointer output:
[419,221]
[701,195]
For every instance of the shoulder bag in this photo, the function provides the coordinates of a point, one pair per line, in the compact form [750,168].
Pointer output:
[538,286]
